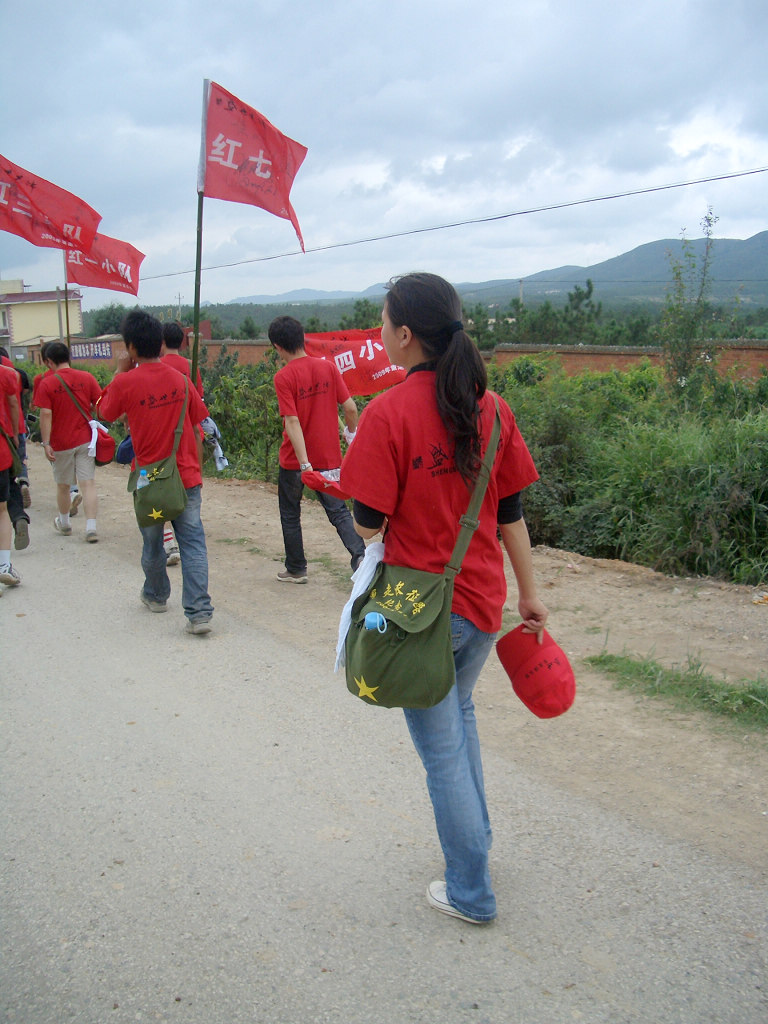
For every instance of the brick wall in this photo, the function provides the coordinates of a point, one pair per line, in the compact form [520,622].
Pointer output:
[746,359]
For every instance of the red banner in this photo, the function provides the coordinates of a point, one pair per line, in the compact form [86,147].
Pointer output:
[110,264]
[43,213]
[245,159]
[360,358]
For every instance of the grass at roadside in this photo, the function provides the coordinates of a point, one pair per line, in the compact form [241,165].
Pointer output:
[745,703]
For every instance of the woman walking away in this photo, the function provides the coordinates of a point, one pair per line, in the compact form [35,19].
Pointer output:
[411,471]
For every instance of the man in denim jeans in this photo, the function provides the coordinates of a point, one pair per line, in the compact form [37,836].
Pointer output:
[151,393]
[309,394]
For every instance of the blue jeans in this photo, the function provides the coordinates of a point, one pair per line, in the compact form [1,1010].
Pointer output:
[190,536]
[289,491]
[446,740]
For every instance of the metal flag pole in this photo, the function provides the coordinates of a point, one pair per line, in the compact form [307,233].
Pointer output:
[199,253]
[66,297]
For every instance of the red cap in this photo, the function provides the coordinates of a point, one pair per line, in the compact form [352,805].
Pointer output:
[315,480]
[540,672]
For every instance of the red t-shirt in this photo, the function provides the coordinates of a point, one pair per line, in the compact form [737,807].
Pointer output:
[178,362]
[7,387]
[401,464]
[22,427]
[152,395]
[69,428]
[313,390]
[37,381]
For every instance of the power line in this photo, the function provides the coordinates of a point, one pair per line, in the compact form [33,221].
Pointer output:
[466,223]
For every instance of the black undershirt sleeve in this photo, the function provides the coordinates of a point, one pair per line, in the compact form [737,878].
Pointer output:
[509,511]
[367,517]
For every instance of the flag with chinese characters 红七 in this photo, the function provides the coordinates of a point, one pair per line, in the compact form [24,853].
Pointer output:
[43,213]
[244,158]
[110,264]
[360,358]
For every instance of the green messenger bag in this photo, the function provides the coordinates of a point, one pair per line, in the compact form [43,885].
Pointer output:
[398,649]
[158,492]
[17,466]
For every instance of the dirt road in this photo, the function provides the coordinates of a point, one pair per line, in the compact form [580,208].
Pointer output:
[210,830]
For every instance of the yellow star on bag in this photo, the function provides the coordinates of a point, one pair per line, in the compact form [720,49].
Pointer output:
[365,691]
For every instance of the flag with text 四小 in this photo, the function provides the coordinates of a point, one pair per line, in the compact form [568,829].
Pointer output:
[110,264]
[43,213]
[360,358]
[244,158]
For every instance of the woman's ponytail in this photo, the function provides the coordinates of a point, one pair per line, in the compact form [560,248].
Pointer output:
[431,308]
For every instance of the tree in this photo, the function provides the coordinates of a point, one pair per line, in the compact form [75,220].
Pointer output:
[686,310]
[315,326]
[477,325]
[365,314]
[538,325]
[248,328]
[581,315]
[106,319]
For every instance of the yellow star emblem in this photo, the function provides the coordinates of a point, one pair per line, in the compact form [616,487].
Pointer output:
[366,691]
[155,514]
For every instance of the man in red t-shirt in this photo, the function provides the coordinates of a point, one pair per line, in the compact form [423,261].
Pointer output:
[151,395]
[173,338]
[75,496]
[9,417]
[309,392]
[67,399]
[19,497]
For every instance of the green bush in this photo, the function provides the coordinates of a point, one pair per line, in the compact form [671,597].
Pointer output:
[632,470]
[242,401]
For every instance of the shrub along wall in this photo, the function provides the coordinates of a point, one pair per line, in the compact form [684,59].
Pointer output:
[673,480]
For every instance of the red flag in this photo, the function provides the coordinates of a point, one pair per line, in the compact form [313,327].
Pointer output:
[245,159]
[43,213]
[360,358]
[110,264]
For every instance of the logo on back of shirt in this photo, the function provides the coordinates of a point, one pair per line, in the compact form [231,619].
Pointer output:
[440,463]
[320,388]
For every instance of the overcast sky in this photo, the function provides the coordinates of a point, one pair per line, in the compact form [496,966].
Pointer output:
[415,114]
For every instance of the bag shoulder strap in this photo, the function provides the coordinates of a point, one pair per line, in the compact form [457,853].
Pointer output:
[470,521]
[180,425]
[10,439]
[71,395]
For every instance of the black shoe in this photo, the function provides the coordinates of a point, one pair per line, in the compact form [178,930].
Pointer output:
[21,534]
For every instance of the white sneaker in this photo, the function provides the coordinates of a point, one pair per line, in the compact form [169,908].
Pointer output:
[437,898]
[172,556]
[77,500]
[59,527]
[9,576]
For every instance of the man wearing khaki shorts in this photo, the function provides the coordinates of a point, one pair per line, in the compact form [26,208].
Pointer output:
[66,435]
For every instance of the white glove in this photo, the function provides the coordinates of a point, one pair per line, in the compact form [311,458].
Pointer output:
[349,436]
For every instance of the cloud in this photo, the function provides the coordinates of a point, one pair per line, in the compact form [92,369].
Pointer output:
[414,114]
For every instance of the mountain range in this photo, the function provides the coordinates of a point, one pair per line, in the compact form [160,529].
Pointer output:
[739,271]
